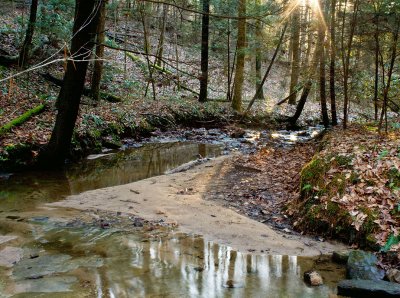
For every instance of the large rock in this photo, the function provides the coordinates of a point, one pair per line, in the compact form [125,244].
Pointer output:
[341,256]
[9,256]
[368,289]
[362,265]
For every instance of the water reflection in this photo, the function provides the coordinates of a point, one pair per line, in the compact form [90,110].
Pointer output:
[23,191]
[133,263]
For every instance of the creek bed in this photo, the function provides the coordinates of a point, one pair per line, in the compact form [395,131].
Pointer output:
[65,253]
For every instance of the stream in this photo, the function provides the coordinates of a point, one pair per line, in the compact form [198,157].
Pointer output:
[47,252]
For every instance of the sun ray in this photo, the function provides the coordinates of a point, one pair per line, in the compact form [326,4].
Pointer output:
[313,4]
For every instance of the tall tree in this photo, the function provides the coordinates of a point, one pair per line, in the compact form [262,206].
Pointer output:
[204,51]
[27,44]
[241,47]
[98,63]
[259,42]
[322,61]
[332,69]
[393,56]
[85,23]
[346,59]
[163,25]
[295,44]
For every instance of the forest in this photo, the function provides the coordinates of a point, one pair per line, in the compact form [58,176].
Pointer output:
[199,148]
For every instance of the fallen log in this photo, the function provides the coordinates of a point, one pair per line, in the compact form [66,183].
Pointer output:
[22,119]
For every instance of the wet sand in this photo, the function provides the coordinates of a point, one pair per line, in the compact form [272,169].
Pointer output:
[179,198]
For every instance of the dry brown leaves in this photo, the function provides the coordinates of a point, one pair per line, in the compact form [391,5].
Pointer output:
[372,157]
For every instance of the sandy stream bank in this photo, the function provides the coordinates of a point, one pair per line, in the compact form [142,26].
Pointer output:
[179,198]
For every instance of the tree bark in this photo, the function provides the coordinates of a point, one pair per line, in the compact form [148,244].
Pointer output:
[74,79]
[332,69]
[390,74]
[376,84]
[294,79]
[322,70]
[27,45]
[241,47]
[346,64]
[98,63]
[259,40]
[160,47]
[204,51]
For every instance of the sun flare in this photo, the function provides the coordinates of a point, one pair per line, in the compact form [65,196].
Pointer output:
[314,5]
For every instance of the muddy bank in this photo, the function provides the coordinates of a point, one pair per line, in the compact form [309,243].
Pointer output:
[179,199]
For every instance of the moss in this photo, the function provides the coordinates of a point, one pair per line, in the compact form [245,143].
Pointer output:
[312,177]
[369,225]
[332,208]
[337,185]
[394,178]
[22,119]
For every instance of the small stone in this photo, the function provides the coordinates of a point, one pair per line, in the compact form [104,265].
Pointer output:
[367,289]
[393,275]
[341,256]
[137,222]
[13,217]
[238,133]
[231,284]
[313,278]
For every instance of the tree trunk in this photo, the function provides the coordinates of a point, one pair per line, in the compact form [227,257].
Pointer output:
[98,63]
[160,47]
[204,51]
[332,70]
[376,84]
[322,71]
[268,70]
[306,91]
[259,40]
[74,79]
[27,45]
[346,64]
[294,79]
[241,47]
[300,105]
[390,74]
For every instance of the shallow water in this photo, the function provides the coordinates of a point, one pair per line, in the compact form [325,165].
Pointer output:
[63,253]
[23,191]
[87,261]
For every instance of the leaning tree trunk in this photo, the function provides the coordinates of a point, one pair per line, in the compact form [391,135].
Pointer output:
[27,45]
[204,51]
[294,79]
[241,46]
[98,63]
[74,79]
